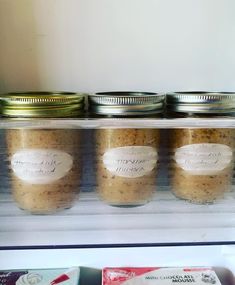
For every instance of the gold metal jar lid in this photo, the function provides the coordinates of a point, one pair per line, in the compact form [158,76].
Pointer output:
[201,102]
[123,103]
[42,104]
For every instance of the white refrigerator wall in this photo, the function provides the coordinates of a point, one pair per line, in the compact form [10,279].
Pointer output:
[101,45]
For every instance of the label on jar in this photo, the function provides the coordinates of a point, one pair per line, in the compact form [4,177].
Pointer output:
[204,158]
[163,276]
[41,166]
[130,161]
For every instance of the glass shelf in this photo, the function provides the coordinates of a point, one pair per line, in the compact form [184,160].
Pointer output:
[165,220]
[224,122]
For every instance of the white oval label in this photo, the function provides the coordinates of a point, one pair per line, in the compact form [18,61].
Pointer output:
[204,158]
[130,161]
[41,166]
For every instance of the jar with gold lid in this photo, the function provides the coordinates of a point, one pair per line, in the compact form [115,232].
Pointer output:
[126,157]
[202,163]
[44,162]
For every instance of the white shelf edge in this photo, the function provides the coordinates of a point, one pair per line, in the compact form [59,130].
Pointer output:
[223,122]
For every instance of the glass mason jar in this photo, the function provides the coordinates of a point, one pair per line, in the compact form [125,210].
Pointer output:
[126,157]
[203,158]
[44,162]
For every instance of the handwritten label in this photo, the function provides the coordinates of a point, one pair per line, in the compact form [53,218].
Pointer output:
[41,166]
[204,158]
[130,161]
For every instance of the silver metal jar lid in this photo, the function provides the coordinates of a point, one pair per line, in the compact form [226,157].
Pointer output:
[123,103]
[201,102]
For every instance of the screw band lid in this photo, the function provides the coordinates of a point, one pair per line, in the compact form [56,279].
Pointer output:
[126,103]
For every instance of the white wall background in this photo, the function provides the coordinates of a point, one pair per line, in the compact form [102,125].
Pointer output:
[100,45]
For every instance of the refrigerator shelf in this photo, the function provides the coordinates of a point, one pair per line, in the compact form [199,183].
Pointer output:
[165,220]
[97,123]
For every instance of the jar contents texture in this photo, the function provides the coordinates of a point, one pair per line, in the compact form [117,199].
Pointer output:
[202,163]
[126,165]
[45,168]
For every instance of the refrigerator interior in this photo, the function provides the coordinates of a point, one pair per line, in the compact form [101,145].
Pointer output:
[90,46]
